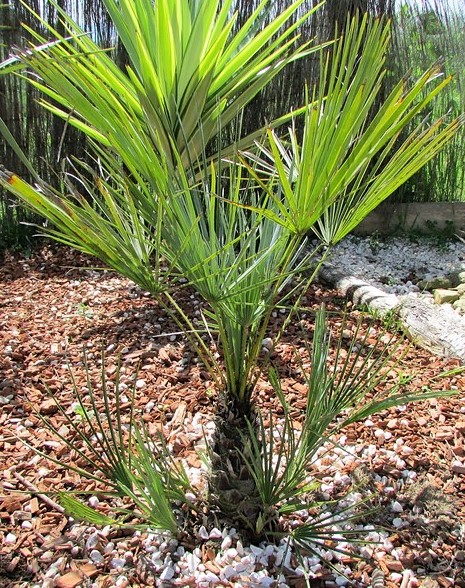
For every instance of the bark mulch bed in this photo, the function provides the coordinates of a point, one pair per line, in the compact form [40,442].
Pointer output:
[54,305]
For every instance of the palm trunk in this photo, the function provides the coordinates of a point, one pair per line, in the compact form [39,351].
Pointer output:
[232,488]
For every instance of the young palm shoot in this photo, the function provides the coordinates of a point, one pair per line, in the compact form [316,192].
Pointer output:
[345,386]
[122,455]
[100,435]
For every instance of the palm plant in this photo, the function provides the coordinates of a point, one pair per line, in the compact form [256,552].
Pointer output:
[156,206]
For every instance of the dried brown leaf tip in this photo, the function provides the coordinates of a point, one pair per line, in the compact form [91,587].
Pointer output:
[6,176]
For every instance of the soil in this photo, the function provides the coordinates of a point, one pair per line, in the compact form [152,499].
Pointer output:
[54,305]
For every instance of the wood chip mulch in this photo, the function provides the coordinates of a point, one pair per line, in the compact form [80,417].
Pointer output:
[54,305]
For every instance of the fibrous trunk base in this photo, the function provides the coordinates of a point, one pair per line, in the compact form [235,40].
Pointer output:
[232,488]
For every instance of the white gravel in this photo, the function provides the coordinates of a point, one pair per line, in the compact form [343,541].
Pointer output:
[395,264]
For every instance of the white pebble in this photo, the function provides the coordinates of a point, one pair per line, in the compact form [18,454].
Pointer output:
[366,551]
[241,567]
[141,384]
[388,546]
[156,559]
[374,537]
[203,533]
[117,562]
[192,562]
[397,523]
[198,552]
[51,572]
[93,501]
[257,551]
[400,463]
[92,541]
[397,553]
[226,543]
[26,525]
[215,534]
[328,555]
[248,560]
[129,556]
[371,450]
[269,550]
[279,556]
[167,574]
[228,572]
[397,507]
[208,578]
[96,556]
[10,538]
[316,568]
[267,581]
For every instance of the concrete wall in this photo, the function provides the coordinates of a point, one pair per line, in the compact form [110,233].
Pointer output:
[425,217]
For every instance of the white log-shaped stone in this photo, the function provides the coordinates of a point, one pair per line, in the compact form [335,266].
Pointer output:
[430,326]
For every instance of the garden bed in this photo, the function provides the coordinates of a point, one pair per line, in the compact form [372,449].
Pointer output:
[54,305]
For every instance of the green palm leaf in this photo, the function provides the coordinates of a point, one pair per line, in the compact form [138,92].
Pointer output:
[82,512]
[348,162]
[186,72]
